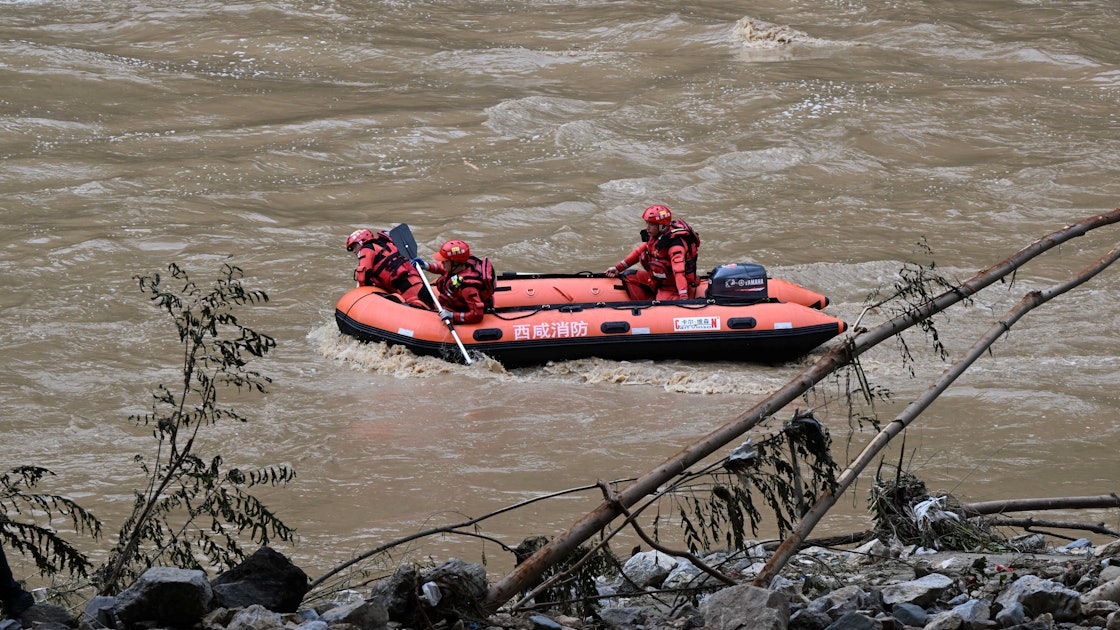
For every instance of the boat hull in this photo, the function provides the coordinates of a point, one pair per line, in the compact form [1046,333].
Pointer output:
[519,334]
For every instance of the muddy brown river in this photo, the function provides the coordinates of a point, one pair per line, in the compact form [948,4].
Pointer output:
[832,142]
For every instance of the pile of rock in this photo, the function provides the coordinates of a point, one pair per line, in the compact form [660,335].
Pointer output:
[877,587]
[873,587]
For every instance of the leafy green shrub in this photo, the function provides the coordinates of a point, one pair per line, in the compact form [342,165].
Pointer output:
[191,508]
[52,554]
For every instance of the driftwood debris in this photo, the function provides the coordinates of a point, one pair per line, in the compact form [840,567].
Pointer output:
[529,571]
[988,508]
[1035,505]
[908,415]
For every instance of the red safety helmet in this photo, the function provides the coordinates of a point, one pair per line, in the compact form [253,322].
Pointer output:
[660,215]
[357,237]
[455,251]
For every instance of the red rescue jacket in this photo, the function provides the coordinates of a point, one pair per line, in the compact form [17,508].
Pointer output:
[670,257]
[467,293]
[381,264]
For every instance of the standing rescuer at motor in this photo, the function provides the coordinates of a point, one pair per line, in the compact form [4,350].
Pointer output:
[667,255]
[381,264]
[465,285]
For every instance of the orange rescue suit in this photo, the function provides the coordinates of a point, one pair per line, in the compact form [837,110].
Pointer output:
[467,293]
[668,262]
[381,264]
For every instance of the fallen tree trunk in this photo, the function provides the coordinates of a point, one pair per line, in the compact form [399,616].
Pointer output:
[1037,505]
[1030,523]
[529,571]
[975,510]
[810,519]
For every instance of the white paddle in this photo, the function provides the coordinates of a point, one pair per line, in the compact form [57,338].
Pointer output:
[402,238]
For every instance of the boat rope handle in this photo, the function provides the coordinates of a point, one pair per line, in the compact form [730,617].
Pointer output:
[561,292]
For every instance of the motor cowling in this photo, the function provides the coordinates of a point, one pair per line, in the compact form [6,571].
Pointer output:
[739,282]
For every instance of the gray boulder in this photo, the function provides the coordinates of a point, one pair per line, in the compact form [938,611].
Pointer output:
[854,621]
[649,568]
[1011,615]
[266,578]
[398,593]
[909,614]
[746,607]
[1039,596]
[808,619]
[623,617]
[945,620]
[975,613]
[47,617]
[366,615]
[1106,591]
[167,597]
[839,602]
[255,617]
[921,592]
[98,613]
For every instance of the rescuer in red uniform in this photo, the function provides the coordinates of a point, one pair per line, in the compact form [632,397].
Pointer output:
[667,256]
[381,264]
[465,285]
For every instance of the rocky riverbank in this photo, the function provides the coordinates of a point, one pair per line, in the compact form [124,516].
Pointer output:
[1076,586]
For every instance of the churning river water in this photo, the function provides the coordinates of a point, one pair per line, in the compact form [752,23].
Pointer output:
[830,140]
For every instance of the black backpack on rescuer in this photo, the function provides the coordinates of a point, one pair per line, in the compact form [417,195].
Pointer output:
[738,282]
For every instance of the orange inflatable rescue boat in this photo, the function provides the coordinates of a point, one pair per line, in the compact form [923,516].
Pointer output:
[742,316]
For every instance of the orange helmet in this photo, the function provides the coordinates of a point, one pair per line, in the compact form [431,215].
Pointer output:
[357,237]
[455,251]
[658,214]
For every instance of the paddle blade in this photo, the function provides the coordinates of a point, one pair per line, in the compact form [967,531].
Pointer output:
[403,239]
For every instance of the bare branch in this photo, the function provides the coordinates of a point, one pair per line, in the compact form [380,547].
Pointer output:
[697,562]
[446,529]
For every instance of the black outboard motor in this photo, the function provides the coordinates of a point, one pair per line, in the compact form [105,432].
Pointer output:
[738,282]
